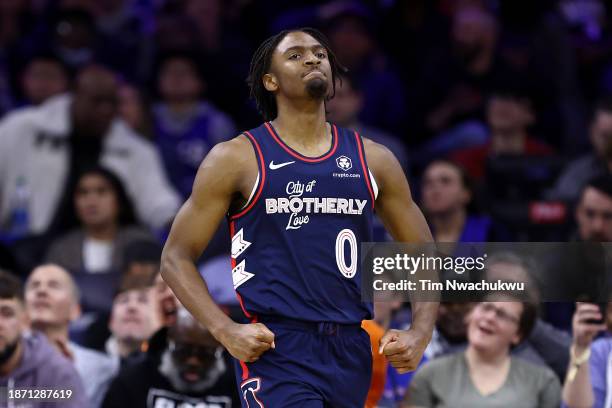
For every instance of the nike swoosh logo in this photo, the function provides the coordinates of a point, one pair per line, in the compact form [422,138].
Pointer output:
[279,165]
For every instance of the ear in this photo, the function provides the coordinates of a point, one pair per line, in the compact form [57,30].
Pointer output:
[270,82]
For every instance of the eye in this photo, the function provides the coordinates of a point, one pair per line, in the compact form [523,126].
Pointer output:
[294,56]
[321,54]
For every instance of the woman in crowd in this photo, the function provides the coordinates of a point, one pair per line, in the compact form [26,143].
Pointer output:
[103,225]
[485,375]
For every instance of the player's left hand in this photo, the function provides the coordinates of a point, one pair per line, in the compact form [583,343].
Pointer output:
[404,348]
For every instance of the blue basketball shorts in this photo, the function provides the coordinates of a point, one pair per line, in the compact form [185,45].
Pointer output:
[314,365]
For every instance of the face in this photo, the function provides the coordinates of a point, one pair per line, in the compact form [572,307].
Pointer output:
[508,117]
[43,79]
[133,315]
[451,320]
[50,298]
[130,106]
[178,81]
[473,32]
[12,323]
[346,104]
[95,103]
[601,134]
[594,216]
[193,351]
[443,189]
[166,302]
[95,201]
[351,40]
[300,68]
[494,326]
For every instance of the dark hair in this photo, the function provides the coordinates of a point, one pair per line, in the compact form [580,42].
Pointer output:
[126,209]
[602,183]
[466,182]
[147,252]
[603,104]
[260,65]
[529,314]
[10,286]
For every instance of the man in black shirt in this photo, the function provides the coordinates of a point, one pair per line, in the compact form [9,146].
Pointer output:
[185,366]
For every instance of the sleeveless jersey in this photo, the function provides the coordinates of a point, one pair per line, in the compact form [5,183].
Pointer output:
[295,244]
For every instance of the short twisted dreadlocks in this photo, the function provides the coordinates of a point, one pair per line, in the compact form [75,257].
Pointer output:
[260,65]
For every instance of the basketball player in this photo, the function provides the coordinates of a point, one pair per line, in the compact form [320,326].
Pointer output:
[299,194]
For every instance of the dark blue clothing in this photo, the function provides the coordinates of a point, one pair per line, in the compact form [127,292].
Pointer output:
[314,365]
[295,244]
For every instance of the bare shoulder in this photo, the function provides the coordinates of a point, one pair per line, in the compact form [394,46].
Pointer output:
[381,160]
[230,167]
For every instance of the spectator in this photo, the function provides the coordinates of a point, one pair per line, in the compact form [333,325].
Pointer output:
[594,211]
[447,194]
[580,171]
[509,116]
[48,146]
[27,360]
[587,385]
[351,31]
[52,302]
[135,110]
[344,109]
[133,319]
[454,82]
[485,374]
[104,226]
[187,126]
[184,366]
[44,76]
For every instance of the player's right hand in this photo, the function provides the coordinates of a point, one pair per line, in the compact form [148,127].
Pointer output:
[247,342]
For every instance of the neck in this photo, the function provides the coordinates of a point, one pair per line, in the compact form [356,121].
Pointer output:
[450,223]
[125,347]
[482,63]
[481,358]
[511,144]
[12,363]
[181,108]
[301,121]
[102,232]
[56,334]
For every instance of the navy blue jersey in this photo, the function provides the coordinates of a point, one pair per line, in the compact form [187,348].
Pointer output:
[296,242]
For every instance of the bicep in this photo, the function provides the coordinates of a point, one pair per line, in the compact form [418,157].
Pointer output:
[394,205]
[200,215]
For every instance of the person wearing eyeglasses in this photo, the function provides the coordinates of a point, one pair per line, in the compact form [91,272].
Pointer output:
[485,374]
[184,366]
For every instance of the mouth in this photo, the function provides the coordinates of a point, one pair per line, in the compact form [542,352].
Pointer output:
[486,330]
[314,71]
[40,304]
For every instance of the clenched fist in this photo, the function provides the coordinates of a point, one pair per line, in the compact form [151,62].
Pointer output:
[246,342]
[404,348]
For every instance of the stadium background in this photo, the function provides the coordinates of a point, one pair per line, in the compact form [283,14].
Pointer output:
[508,99]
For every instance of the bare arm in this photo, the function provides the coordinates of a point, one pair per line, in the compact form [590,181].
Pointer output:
[577,389]
[223,175]
[406,223]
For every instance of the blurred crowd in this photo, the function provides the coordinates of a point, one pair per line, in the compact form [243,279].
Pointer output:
[499,111]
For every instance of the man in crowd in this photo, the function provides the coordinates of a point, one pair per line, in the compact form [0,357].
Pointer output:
[184,366]
[580,171]
[46,147]
[509,116]
[29,360]
[52,302]
[44,76]
[134,318]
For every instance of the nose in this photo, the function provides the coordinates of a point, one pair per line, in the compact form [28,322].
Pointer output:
[312,59]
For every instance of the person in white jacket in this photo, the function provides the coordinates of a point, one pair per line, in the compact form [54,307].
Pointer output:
[42,148]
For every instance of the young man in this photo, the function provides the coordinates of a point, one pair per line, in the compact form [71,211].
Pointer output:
[299,195]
